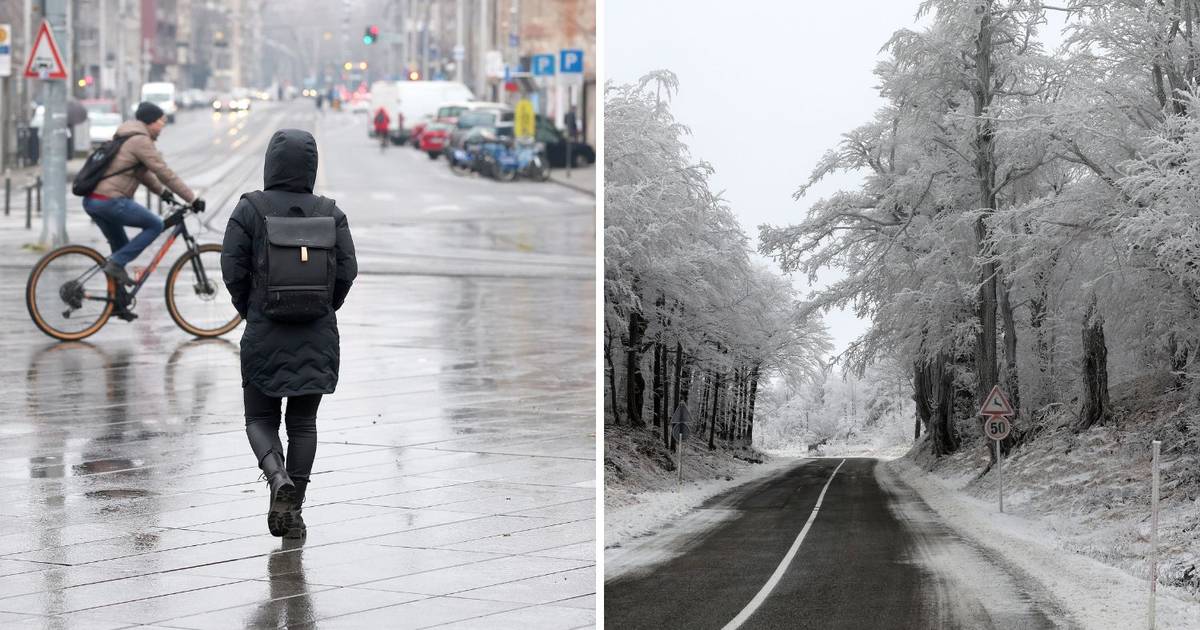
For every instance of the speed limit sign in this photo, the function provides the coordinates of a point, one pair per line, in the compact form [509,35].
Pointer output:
[997,427]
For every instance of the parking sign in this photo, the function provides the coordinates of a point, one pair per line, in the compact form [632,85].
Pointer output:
[570,61]
[543,65]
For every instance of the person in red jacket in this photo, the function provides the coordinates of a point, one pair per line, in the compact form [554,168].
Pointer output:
[382,122]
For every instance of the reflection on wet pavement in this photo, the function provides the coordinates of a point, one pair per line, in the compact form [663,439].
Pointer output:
[454,474]
[454,481]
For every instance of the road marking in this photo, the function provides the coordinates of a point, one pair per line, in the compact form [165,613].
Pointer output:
[783,565]
[582,201]
[532,199]
[383,196]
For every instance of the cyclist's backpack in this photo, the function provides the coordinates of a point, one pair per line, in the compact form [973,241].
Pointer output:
[299,265]
[380,118]
[92,172]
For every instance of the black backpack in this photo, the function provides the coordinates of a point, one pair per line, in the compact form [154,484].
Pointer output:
[299,266]
[92,172]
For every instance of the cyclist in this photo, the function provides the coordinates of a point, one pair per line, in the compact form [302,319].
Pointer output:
[111,205]
[382,122]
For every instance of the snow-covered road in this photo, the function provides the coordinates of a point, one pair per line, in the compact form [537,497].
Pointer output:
[875,556]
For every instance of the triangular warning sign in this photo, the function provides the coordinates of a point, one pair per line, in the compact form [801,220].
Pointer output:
[996,403]
[45,62]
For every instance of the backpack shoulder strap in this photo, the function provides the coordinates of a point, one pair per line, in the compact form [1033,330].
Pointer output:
[258,201]
[325,206]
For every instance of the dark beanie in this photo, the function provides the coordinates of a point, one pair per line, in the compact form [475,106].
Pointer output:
[148,112]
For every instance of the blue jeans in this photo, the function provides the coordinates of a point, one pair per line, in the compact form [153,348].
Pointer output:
[112,215]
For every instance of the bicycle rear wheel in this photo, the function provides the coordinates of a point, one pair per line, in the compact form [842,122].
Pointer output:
[196,297]
[67,295]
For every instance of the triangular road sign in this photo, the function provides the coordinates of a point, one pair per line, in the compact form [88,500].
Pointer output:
[45,62]
[996,404]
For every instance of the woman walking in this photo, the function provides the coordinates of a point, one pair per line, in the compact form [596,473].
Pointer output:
[288,261]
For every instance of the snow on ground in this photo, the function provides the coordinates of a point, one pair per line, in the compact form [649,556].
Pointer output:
[1098,596]
[642,496]
[1089,494]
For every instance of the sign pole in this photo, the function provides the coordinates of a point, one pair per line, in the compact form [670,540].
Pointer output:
[999,475]
[1154,534]
[679,446]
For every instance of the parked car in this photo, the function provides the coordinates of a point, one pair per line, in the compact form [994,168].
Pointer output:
[103,126]
[500,120]
[434,138]
[582,153]
[415,130]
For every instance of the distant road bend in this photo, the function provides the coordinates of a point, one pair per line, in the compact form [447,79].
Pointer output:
[826,545]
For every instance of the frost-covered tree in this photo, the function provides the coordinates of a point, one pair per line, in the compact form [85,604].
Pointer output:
[688,317]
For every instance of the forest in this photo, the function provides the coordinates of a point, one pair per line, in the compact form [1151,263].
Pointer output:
[1027,217]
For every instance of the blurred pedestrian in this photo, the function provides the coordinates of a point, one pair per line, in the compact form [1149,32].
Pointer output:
[572,126]
[288,261]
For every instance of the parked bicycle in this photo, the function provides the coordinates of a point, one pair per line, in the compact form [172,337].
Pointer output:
[70,298]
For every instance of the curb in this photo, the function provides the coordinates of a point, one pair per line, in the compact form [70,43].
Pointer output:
[573,186]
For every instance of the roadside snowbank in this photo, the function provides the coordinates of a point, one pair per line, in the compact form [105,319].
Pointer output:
[1098,596]
[641,494]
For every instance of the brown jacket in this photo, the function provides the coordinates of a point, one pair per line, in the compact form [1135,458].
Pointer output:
[152,170]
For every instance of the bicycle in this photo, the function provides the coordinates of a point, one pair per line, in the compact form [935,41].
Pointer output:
[69,298]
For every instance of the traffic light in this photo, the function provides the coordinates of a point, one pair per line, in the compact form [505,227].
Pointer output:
[371,35]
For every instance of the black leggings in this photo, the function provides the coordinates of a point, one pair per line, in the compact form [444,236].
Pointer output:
[262,427]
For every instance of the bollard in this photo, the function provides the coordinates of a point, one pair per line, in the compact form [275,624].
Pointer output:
[28,207]
[38,183]
[7,194]
[1154,532]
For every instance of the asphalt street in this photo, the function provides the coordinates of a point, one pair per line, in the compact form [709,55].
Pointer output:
[874,557]
[454,484]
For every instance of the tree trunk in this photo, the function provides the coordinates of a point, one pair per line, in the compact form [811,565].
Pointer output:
[943,439]
[678,376]
[660,418]
[1095,409]
[716,405]
[1010,377]
[612,374]
[985,174]
[634,382]
[753,396]
[1038,311]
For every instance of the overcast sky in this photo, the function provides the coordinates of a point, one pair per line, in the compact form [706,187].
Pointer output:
[767,87]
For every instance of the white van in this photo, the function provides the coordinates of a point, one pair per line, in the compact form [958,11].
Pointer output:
[414,100]
[161,94]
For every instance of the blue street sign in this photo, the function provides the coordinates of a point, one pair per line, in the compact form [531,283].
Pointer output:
[507,73]
[513,40]
[543,65]
[570,61]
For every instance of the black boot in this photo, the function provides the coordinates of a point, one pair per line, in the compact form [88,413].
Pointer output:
[294,520]
[282,491]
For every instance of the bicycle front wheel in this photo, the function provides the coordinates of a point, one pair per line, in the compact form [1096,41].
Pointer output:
[196,297]
[68,296]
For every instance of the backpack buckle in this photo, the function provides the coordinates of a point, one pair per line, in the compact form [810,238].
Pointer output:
[303,254]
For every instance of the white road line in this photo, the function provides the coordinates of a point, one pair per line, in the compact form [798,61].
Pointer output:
[532,199]
[783,565]
[582,201]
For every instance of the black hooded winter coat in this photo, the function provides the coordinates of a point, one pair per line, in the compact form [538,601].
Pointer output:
[284,359]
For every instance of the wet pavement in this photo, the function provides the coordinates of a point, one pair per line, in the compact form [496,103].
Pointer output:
[454,484]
